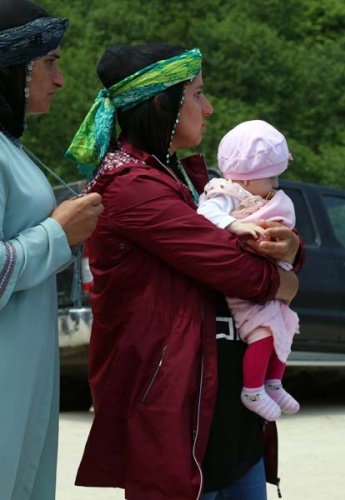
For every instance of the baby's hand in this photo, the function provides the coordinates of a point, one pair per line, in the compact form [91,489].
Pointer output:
[245,229]
[279,242]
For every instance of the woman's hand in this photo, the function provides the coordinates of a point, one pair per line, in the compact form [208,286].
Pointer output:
[78,216]
[280,244]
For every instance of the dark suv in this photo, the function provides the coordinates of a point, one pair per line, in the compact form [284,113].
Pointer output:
[320,302]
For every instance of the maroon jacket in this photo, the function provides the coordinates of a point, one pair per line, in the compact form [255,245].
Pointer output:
[153,359]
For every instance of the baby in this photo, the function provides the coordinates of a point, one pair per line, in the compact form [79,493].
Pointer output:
[251,157]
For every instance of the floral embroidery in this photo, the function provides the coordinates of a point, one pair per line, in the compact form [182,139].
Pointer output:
[7,270]
[112,161]
[247,203]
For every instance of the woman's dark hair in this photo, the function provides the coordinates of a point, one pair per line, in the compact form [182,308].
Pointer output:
[15,13]
[149,125]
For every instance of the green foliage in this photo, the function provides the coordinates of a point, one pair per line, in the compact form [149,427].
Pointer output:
[278,61]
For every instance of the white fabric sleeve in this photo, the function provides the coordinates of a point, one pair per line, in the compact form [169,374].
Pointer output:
[217,210]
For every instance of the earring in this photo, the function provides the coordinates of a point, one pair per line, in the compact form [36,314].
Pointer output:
[28,70]
[29,67]
[175,125]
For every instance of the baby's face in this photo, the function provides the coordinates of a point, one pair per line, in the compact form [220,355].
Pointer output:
[262,187]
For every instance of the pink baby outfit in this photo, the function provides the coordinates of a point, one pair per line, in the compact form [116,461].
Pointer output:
[252,320]
[256,150]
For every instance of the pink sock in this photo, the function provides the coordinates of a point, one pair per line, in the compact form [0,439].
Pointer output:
[283,399]
[258,401]
[255,362]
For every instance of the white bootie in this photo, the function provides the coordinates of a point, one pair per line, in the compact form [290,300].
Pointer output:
[284,400]
[257,400]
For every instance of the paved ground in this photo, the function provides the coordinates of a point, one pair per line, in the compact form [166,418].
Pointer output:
[312,451]
[312,455]
[74,429]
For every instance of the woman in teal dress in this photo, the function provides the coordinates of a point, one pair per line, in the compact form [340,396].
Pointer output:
[35,242]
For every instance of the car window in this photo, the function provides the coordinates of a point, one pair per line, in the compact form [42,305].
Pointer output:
[304,223]
[335,207]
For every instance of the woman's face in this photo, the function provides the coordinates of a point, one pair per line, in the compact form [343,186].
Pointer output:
[46,78]
[193,114]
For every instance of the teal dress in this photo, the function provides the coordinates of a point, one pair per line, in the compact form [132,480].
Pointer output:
[33,247]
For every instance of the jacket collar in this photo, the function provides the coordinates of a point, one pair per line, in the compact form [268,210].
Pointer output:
[194,165]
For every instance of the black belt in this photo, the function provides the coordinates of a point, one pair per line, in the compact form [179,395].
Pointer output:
[225,328]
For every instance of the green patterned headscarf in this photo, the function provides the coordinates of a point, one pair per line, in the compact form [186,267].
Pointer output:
[91,142]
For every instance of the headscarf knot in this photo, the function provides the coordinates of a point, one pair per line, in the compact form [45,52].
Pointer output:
[105,94]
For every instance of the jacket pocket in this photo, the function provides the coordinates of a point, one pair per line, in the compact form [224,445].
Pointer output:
[154,376]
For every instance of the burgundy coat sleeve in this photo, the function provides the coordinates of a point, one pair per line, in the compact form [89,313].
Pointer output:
[148,208]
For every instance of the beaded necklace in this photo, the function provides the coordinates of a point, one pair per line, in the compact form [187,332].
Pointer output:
[189,183]
[179,164]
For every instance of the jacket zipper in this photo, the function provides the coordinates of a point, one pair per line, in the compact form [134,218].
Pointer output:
[155,375]
[196,431]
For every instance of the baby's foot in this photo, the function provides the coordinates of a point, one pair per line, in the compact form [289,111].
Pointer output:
[258,401]
[284,400]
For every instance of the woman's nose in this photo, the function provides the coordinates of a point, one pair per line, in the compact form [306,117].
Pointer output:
[207,107]
[59,80]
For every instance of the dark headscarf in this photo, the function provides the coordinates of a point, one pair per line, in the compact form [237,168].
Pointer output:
[27,32]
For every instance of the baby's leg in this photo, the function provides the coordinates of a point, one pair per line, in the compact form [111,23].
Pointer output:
[255,364]
[274,388]
[256,360]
